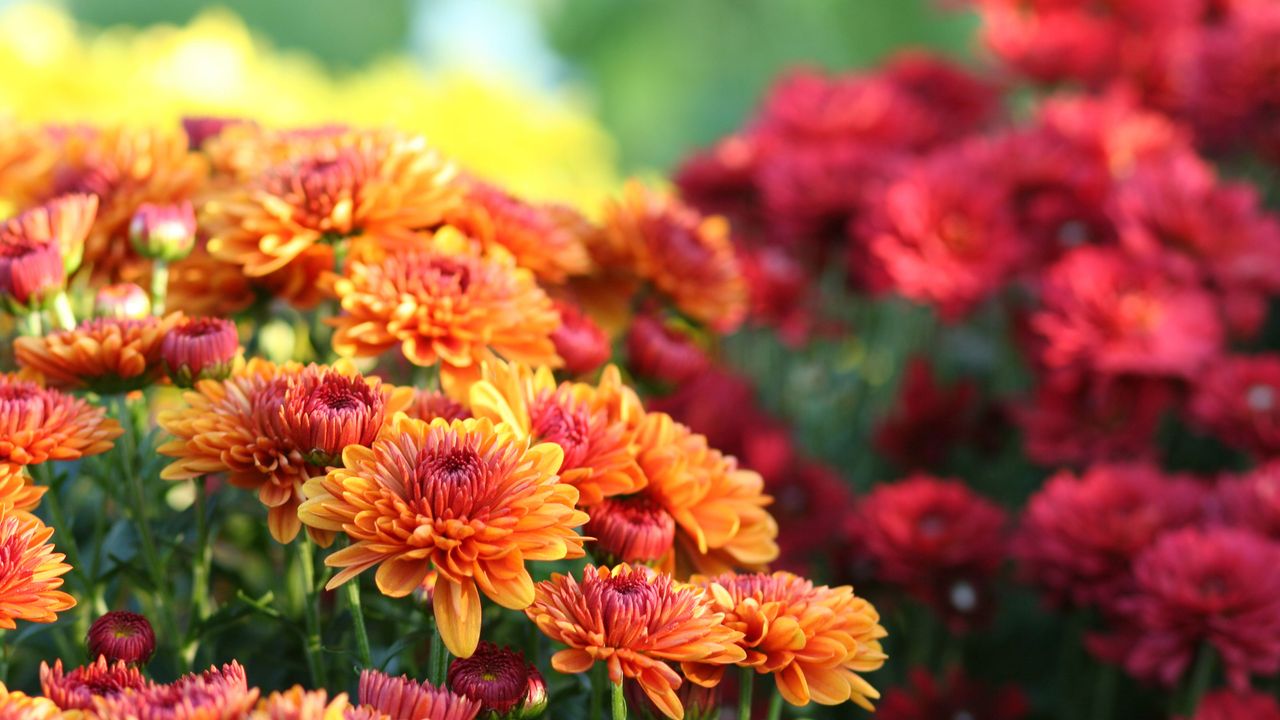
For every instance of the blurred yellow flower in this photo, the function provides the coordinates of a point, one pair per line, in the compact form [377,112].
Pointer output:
[542,145]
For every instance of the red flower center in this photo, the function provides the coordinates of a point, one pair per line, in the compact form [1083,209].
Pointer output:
[563,422]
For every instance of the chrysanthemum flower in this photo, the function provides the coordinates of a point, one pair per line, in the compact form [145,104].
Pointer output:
[202,285]
[39,247]
[122,636]
[215,693]
[938,540]
[633,529]
[662,351]
[469,499]
[536,237]
[199,349]
[685,255]
[359,183]
[431,404]
[102,678]
[15,705]
[444,304]
[122,300]
[402,698]
[1108,313]
[39,424]
[597,454]
[105,355]
[299,704]
[1193,587]
[163,232]
[125,168]
[1232,705]
[955,696]
[26,155]
[928,420]
[507,686]
[31,572]
[719,508]
[249,425]
[636,621]
[814,640]
[1080,535]
[16,489]
[1252,500]
[1238,400]
[582,343]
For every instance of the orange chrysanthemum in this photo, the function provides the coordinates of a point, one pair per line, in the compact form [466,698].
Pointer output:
[597,454]
[383,697]
[358,183]
[636,621]
[685,255]
[202,285]
[106,355]
[249,426]
[444,303]
[16,490]
[814,640]
[124,168]
[469,499]
[540,239]
[38,424]
[719,508]
[15,705]
[215,694]
[30,571]
[299,704]
[26,156]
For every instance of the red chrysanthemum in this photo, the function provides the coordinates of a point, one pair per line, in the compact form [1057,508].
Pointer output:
[122,636]
[1233,705]
[955,697]
[928,420]
[1252,500]
[1237,399]
[79,688]
[661,351]
[938,540]
[39,247]
[198,349]
[1194,587]
[402,698]
[507,686]
[1080,535]
[581,342]
[632,529]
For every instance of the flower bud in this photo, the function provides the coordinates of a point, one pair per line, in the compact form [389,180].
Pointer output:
[662,352]
[30,272]
[198,349]
[582,343]
[122,636]
[630,530]
[506,686]
[124,300]
[163,232]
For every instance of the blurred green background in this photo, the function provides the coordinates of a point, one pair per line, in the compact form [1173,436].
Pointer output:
[664,76]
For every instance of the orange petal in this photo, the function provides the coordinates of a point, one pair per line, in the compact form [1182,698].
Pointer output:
[457,607]
[399,576]
[572,661]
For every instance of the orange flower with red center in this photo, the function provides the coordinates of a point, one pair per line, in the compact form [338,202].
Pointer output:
[250,425]
[718,508]
[105,355]
[539,239]
[30,571]
[38,424]
[685,255]
[384,697]
[15,705]
[469,499]
[444,304]
[299,704]
[597,454]
[40,246]
[814,640]
[636,621]
[16,490]
[357,183]
[124,168]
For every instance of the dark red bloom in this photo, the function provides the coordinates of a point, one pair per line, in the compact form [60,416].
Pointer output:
[928,420]
[938,540]
[955,697]
[1217,586]
[1107,313]
[579,341]
[122,636]
[811,503]
[722,181]
[1237,399]
[506,685]
[199,348]
[1252,500]
[779,288]
[943,101]
[1232,705]
[659,351]
[1081,534]
[1051,45]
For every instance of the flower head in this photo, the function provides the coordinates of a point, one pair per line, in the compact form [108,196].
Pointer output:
[537,237]
[469,499]
[299,704]
[106,355]
[122,300]
[39,424]
[431,404]
[402,698]
[633,529]
[163,232]
[215,693]
[814,640]
[102,678]
[323,412]
[444,304]
[199,349]
[30,571]
[122,636]
[686,256]
[636,621]
[39,247]
[16,489]
[507,686]
[662,351]
[1229,705]
[1238,400]
[582,343]
[1253,500]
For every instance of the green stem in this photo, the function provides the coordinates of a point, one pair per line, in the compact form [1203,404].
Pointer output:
[201,570]
[357,619]
[598,680]
[1198,682]
[159,286]
[775,706]
[311,611]
[438,662]
[62,311]
[66,542]
[745,685]
[620,702]
[1104,692]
